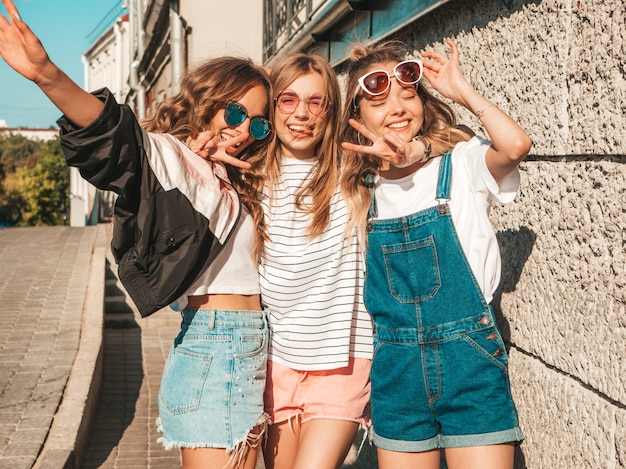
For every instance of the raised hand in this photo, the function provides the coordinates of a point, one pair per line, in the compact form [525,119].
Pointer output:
[509,142]
[445,74]
[20,48]
[24,53]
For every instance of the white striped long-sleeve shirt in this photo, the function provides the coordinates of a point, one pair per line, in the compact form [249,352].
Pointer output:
[313,289]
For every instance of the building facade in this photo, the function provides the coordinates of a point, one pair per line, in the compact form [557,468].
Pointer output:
[31,133]
[173,36]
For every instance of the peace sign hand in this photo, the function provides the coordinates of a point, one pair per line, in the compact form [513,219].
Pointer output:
[390,147]
[209,146]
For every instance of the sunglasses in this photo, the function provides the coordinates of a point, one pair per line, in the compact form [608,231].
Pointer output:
[235,114]
[377,82]
[287,102]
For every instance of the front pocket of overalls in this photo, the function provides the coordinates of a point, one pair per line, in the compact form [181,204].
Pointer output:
[490,345]
[183,379]
[412,270]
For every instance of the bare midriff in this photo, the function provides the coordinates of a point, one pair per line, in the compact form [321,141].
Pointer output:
[226,302]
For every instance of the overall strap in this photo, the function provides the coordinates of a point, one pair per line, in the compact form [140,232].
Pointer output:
[370,183]
[445,178]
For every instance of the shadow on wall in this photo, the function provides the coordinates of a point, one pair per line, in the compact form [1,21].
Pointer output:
[515,249]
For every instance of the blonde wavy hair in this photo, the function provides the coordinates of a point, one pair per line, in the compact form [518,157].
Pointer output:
[439,128]
[203,91]
[325,179]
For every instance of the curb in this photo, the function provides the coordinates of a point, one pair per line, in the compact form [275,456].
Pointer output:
[69,434]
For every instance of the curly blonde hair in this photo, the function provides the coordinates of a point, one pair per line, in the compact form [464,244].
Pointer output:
[325,180]
[203,91]
[439,128]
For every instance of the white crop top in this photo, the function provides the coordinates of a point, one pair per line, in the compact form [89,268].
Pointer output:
[235,269]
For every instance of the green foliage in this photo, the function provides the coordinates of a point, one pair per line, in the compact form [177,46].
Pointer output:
[12,205]
[34,182]
[16,151]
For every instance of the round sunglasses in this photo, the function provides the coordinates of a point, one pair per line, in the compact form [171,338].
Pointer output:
[378,82]
[288,101]
[235,114]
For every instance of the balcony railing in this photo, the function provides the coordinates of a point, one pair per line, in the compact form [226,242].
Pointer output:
[333,25]
[283,20]
[106,22]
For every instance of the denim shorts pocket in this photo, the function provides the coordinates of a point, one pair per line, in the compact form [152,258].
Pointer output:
[183,379]
[251,345]
[412,270]
[490,345]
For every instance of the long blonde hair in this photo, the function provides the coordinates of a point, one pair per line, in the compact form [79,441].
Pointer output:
[203,91]
[439,128]
[322,186]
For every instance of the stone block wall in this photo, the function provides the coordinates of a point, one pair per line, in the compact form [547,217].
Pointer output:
[559,68]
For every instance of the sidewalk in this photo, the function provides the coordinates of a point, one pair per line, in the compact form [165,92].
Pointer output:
[45,278]
[78,374]
[79,368]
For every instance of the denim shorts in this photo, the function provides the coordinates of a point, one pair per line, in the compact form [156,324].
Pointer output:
[212,387]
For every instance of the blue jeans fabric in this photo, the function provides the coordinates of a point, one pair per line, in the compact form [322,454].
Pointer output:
[439,372]
[211,392]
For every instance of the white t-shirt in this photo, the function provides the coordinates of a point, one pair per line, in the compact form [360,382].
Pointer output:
[235,269]
[473,189]
[313,289]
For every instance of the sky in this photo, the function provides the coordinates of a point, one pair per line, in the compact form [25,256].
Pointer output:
[64,28]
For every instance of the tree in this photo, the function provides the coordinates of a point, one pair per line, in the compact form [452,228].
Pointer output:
[17,151]
[12,205]
[34,189]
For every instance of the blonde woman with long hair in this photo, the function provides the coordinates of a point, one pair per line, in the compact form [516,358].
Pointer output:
[311,275]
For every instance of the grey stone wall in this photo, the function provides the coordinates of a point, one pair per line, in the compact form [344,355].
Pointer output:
[558,68]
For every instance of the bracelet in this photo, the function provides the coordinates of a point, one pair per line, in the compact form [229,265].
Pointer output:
[480,113]
[427,148]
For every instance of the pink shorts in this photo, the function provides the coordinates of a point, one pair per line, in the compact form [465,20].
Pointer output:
[341,394]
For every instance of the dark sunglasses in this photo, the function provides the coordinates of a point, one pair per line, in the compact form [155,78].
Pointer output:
[377,82]
[235,114]
[288,101]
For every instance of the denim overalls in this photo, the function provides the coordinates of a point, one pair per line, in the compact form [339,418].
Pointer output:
[439,373]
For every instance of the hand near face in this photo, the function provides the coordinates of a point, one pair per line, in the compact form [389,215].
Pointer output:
[390,147]
[209,146]
[445,74]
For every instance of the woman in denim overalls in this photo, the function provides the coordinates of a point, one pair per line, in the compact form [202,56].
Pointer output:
[439,373]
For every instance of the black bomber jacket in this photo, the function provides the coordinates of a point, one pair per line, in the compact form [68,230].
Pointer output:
[174,211]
